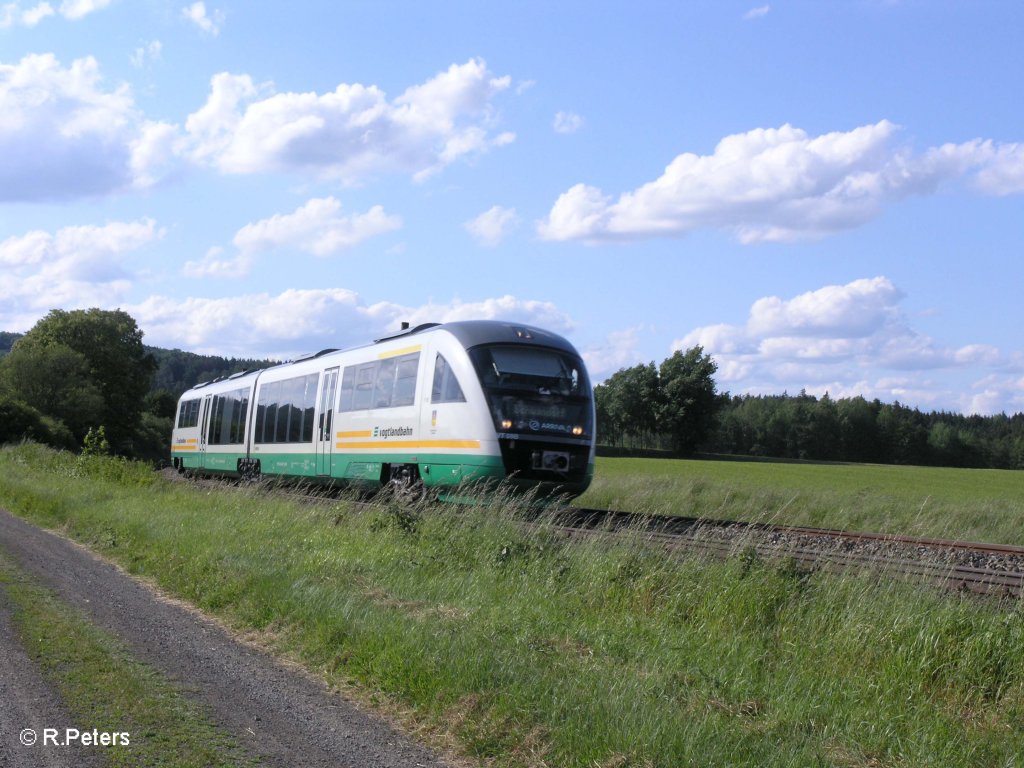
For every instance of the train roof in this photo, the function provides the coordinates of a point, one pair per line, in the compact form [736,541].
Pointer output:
[469,333]
[473,333]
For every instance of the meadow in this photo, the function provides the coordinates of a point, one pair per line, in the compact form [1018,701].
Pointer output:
[515,646]
[937,502]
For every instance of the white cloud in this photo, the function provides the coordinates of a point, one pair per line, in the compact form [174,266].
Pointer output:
[296,321]
[757,13]
[62,135]
[543,314]
[782,184]
[317,227]
[214,266]
[351,132]
[196,13]
[17,14]
[567,122]
[154,152]
[78,266]
[855,310]
[14,14]
[77,9]
[995,393]
[493,225]
[524,85]
[847,340]
[1003,170]
[621,349]
[149,52]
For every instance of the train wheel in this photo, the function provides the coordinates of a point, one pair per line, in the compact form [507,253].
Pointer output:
[406,484]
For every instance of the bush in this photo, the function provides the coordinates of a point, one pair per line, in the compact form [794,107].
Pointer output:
[19,422]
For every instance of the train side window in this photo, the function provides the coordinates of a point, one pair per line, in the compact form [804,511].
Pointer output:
[386,383]
[348,389]
[188,414]
[446,387]
[227,418]
[266,412]
[309,407]
[366,375]
[406,368]
[213,425]
[238,418]
[289,417]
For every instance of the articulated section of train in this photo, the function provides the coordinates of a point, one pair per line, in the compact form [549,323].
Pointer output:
[427,409]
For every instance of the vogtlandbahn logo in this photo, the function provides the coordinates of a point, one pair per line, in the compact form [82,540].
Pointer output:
[387,432]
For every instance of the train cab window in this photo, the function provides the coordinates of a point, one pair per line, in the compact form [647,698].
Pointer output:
[523,367]
[446,387]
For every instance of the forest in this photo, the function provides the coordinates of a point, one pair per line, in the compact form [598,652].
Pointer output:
[631,405]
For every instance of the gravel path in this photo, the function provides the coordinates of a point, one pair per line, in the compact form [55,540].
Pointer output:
[278,713]
[29,703]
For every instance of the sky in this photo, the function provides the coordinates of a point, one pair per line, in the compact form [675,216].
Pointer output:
[826,196]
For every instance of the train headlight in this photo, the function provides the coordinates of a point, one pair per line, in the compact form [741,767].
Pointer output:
[577,431]
[506,424]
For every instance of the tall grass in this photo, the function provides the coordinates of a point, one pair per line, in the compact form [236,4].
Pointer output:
[521,646]
[970,504]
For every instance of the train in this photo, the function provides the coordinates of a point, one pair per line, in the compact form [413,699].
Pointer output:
[423,411]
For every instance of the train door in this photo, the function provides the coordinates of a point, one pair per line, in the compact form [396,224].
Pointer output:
[204,429]
[325,435]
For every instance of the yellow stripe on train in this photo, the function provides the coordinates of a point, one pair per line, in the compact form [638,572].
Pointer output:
[377,444]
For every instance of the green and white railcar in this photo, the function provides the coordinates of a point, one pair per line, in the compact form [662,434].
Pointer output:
[428,408]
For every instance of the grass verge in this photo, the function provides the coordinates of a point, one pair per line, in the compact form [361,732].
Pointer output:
[526,649]
[936,502]
[106,689]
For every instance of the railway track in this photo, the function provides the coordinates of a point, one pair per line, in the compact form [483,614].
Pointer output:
[961,566]
[987,569]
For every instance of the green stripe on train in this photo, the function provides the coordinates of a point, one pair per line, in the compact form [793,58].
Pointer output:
[439,470]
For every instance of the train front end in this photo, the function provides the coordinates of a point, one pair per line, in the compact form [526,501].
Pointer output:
[541,402]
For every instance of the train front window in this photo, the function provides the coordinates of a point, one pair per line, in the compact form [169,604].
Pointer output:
[535,390]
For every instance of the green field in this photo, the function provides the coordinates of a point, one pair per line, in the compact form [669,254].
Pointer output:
[938,502]
[517,646]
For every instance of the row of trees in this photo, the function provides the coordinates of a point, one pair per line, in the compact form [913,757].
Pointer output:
[675,407]
[855,429]
[671,406]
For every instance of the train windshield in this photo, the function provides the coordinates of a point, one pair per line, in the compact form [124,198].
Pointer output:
[535,390]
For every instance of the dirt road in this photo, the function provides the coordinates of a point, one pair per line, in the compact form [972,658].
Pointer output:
[277,713]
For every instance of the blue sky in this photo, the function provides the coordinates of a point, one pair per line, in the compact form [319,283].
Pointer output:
[827,196]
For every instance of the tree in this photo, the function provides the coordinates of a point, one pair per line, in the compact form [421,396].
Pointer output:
[688,401]
[54,380]
[631,402]
[609,431]
[116,363]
